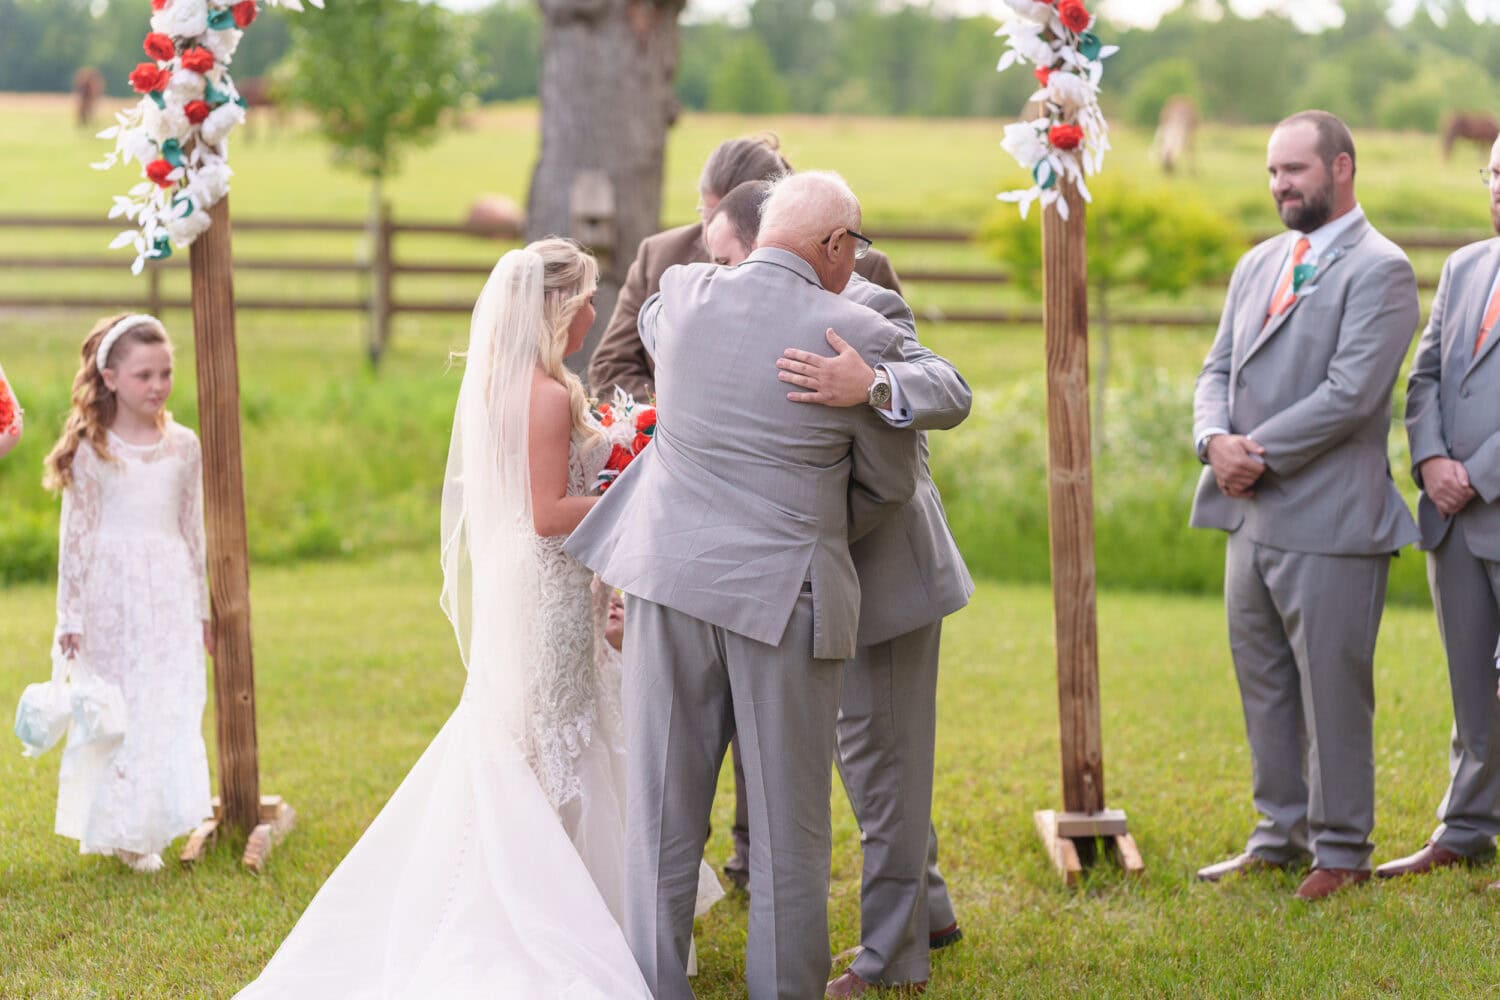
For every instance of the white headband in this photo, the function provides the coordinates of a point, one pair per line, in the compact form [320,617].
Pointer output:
[118,330]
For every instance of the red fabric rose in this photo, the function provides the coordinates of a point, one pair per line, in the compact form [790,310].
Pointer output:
[157,171]
[1065,136]
[639,444]
[199,60]
[158,4]
[159,46]
[618,459]
[196,111]
[147,77]
[7,409]
[1042,73]
[1075,16]
[244,13]
[606,415]
[645,421]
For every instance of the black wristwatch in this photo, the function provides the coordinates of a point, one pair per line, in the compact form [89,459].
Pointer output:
[880,389]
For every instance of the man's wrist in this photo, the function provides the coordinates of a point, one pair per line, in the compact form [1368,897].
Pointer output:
[879,393]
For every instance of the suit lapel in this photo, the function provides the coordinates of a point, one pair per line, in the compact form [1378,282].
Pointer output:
[1252,311]
[1326,262]
[1473,313]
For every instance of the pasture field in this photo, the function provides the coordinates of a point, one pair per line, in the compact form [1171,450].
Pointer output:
[346,706]
[316,417]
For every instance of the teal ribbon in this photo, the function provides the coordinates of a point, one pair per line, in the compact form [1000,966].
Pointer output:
[1300,274]
[183,200]
[221,20]
[160,101]
[213,95]
[1089,45]
[1036,175]
[162,248]
[171,151]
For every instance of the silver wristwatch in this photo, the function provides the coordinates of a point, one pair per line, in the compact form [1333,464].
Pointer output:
[880,389]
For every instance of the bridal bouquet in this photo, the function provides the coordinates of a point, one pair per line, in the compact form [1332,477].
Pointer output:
[629,427]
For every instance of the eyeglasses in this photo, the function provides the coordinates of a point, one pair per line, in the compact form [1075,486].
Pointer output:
[862,243]
[1487,175]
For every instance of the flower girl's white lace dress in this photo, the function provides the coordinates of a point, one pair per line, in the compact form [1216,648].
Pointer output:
[131,583]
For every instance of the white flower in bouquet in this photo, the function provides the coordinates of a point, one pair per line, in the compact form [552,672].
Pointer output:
[209,182]
[1027,44]
[218,125]
[1068,91]
[222,44]
[185,86]
[185,229]
[181,18]
[1025,143]
[166,123]
[1037,13]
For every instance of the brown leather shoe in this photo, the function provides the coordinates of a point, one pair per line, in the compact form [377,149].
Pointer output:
[1240,864]
[1430,858]
[850,985]
[951,934]
[1323,882]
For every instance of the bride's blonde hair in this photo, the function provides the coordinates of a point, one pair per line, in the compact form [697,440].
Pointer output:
[569,276]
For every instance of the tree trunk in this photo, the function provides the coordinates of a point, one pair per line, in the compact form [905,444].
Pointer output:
[607,102]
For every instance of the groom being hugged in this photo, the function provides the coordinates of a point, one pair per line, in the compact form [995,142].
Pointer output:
[731,536]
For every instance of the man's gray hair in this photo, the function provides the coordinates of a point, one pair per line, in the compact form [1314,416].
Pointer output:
[808,206]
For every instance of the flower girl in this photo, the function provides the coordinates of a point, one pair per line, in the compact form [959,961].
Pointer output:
[132,598]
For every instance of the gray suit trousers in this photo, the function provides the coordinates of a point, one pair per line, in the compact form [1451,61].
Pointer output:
[1466,594]
[688,686]
[886,730]
[1302,629]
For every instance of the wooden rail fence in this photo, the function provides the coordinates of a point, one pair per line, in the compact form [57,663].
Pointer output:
[381,266]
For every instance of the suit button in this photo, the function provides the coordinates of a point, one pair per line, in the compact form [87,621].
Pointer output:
[1240,381]
[1464,394]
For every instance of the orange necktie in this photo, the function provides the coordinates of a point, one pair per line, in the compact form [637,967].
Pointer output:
[1490,315]
[1284,295]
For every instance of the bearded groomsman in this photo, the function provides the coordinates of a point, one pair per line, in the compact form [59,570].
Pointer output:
[1453,424]
[1291,416]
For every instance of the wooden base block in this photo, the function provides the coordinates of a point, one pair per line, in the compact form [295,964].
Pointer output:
[1107,825]
[276,821]
[199,841]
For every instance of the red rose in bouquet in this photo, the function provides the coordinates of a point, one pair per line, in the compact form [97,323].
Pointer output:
[199,60]
[1075,16]
[148,77]
[1042,73]
[244,13]
[158,4]
[645,421]
[7,408]
[196,111]
[605,414]
[618,458]
[157,171]
[159,46]
[1065,136]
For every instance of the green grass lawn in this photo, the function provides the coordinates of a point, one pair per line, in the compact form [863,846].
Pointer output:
[356,671]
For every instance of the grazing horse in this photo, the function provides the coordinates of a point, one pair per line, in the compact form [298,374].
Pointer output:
[88,87]
[1176,129]
[1477,126]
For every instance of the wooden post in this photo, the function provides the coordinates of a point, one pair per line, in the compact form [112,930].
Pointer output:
[224,507]
[1070,509]
[381,271]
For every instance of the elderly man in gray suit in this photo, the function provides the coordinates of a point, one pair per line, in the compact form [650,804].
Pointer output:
[731,536]
[1291,416]
[911,575]
[1453,425]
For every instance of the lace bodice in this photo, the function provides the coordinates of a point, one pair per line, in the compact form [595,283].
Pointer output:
[564,693]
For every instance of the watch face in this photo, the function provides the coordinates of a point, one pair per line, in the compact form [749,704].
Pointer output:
[880,393]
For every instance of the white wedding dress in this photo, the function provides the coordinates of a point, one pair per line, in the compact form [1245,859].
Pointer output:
[496,869]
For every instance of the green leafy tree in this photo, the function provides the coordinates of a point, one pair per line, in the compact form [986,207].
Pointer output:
[379,76]
[747,80]
[1160,241]
[1159,83]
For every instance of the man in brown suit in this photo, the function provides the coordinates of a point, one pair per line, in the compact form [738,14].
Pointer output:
[620,359]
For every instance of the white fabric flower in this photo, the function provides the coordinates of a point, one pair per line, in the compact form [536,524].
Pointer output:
[222,44]
[1036,13]
[1069,91]
[167,123]
[181,18]
[1024,143]
[1028,43]
[188,228]
[209,183]
[220,122]
[136,144]
[185,86]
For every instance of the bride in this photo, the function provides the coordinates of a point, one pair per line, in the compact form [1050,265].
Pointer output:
[496,869]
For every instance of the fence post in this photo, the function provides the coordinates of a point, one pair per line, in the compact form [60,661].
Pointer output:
[382,236]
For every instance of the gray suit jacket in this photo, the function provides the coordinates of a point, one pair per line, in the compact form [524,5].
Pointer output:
[1453,398]
[910,570]
[743,495]
[1313,387]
